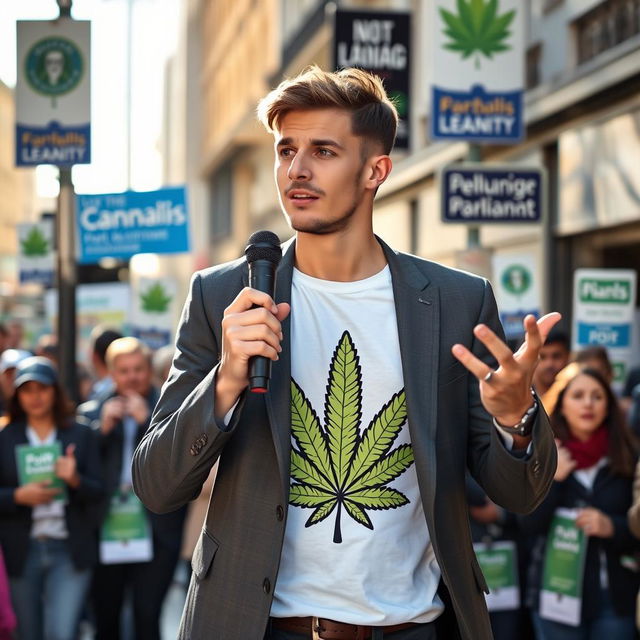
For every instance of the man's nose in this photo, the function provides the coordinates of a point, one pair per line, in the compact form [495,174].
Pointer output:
[299,168]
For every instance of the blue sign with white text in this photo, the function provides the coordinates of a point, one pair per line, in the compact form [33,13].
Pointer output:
[120,225]
[477,115]
[606,335]
[480,193]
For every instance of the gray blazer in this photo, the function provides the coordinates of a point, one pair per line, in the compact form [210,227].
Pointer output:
[235,563]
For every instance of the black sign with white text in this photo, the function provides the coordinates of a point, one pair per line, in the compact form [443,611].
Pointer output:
[378,42]
[478,194]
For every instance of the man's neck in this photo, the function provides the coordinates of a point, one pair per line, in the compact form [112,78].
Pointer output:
[339,257]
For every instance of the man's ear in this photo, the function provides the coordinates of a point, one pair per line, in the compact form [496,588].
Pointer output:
[376,170]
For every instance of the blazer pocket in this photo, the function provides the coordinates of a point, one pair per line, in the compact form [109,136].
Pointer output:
[451,373]
[480,580]
[203,554]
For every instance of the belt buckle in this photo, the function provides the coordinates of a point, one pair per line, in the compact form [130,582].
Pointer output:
[315,628]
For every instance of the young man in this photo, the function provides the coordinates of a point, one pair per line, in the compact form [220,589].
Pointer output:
[339,509]
[554,357]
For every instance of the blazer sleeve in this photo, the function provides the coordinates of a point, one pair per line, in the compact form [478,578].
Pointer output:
[634,511]
[514,483]
[183,441]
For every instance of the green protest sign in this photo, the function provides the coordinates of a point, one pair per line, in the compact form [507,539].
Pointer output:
[37,464]
[498,562]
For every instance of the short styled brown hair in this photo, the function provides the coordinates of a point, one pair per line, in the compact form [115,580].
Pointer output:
[374,116]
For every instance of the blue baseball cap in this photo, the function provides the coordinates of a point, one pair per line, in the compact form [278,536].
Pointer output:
[12,357]
[36,369]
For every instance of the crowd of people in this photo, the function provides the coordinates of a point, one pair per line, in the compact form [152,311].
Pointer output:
[76,543]
[594,486]
[61,570]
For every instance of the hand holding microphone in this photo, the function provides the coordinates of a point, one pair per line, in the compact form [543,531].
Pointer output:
[251,326]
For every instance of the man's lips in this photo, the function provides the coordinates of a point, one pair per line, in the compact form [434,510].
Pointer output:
[298,195]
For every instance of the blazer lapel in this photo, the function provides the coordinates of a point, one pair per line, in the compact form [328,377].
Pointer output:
[417,303]
[278,398]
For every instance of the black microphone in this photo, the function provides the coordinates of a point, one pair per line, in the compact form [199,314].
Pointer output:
[263,254]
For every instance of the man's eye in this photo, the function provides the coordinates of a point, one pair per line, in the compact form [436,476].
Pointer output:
[325,152]
[286,153]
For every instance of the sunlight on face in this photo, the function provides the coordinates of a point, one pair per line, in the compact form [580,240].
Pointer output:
[584,406]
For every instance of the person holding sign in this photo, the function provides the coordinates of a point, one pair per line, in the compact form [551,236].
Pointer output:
[588,578]
[49,484]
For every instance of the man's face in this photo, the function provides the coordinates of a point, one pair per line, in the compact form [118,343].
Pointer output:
[319,170]
[553,358]
[131,372]
[54,64]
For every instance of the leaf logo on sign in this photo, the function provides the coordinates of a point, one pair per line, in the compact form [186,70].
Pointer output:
[156,299]
[516,279]
[35,245]
[338,467]
[477,28]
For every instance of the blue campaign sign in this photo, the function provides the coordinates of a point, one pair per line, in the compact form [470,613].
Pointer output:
[606,335]
[119,225]
[477,115]
[478,194]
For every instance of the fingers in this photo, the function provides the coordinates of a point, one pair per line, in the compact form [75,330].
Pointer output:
[249,297]
[473,364]
[255,333]
[70,451]
[536,333]
[497,347]
[547,322]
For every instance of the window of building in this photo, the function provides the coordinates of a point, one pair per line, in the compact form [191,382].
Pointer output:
[534,57]
[606,26]
[221,199]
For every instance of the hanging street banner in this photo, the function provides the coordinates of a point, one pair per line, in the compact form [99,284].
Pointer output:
[152,318]
[119,225]
[604,302]
[35,253]
[53,93]
[517,289]
[478,70]
[478,193]
[378,42]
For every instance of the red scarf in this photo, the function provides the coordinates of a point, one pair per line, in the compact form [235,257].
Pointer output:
[587,453]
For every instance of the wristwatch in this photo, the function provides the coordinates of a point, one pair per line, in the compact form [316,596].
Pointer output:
[525,425]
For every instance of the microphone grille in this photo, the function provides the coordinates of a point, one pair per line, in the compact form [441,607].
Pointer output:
[263,245]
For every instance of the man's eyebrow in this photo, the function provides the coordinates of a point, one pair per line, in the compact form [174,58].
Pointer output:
[321,142]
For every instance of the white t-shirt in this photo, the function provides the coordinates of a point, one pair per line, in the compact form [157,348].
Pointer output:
[357,548]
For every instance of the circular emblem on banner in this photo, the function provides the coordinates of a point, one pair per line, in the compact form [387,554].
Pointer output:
[516,279]
[54,66]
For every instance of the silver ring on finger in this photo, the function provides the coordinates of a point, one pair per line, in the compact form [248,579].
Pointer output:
[489,375]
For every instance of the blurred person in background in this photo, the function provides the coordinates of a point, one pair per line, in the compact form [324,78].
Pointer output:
[15,335]
[9,360]
[596,461]
[47,347]
[554,356]
[121,418]
[49,544]
[596,357]
[161,363]
[100,339]
[4,335]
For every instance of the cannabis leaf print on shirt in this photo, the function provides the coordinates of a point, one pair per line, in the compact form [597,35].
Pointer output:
[334,465]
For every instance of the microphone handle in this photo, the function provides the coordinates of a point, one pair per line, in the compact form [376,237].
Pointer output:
[262,278]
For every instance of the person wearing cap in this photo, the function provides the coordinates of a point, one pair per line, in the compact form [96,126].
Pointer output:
[8,363]
[48,528]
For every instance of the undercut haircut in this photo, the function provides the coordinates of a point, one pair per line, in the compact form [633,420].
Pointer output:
[373,115]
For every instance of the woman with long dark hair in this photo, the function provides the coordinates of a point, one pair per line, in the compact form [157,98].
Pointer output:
[596,461]
[48,528]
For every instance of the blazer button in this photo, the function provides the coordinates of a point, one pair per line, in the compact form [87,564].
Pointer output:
[194,451]
[280,513]
[266,586]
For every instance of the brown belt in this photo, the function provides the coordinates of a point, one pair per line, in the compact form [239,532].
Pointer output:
[324,629]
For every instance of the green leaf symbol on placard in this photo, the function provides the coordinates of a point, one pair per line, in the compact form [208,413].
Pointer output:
[334,466]
[477,28]
[155,300]
[35,245]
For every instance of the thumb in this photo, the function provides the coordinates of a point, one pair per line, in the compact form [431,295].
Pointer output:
[283,310]
[70,451]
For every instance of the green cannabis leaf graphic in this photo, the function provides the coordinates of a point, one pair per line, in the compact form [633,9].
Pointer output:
[155,299]
[477,28]
[335,466]
[35,245]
